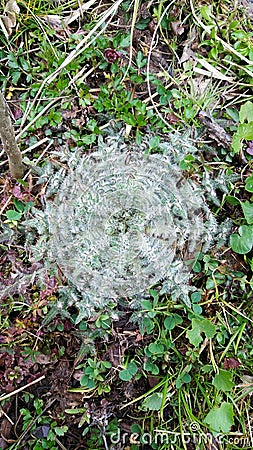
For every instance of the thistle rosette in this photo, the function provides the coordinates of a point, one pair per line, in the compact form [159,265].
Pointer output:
[120,221]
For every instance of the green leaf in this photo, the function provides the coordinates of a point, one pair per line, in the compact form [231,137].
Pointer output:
[13,62]
[210,284]
[232,200]
[186,378]
[140,60]
[153,402]
[106,365]
[28,206]
[233,113]
[128,373]
[13,215]
[247,208]
[196,296]
[150,367]
[89,139]
[135,428]
[132,367]
[221,419]
[206,12]
[244,131]
[19,205]
[172,321]
[125,375]
[207,368]
[179,383]
[75,410]
[125,41]
[200,326]
[246,112]
[128,118]
[87,382]
[197,309]
[196,267]
[223,380]
[142,24]
[155,348]
[236,142]
[242,242]
[147,304]
[249,184]
[60,431]
[154,141]
[147,325]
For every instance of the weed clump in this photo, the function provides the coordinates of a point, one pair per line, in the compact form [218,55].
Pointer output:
[121,221]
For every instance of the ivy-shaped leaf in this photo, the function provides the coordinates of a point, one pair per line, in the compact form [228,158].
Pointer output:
[223,380]
[246,112]
[244,131]
[242,242]
[220,419]
[200,326]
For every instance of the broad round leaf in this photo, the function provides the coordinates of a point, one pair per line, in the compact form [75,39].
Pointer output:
[242,242]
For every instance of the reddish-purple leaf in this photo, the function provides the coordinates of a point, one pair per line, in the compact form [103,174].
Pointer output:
[16,191]
[172,118]
[111,55]
[231,363]
[51,287]
[17,113]
[67,325]
[249,149]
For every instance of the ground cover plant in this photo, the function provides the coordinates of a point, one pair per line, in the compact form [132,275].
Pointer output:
[163,361]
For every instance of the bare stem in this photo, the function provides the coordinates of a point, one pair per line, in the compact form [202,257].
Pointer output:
[9,142]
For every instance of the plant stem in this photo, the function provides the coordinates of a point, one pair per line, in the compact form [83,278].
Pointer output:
[9,142]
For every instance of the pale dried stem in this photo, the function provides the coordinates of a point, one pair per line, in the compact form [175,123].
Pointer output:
[5,397]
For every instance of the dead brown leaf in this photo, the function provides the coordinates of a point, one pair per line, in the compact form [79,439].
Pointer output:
[215,131]
[177,28]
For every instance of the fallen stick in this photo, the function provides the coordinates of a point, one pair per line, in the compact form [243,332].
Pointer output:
[10,145]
